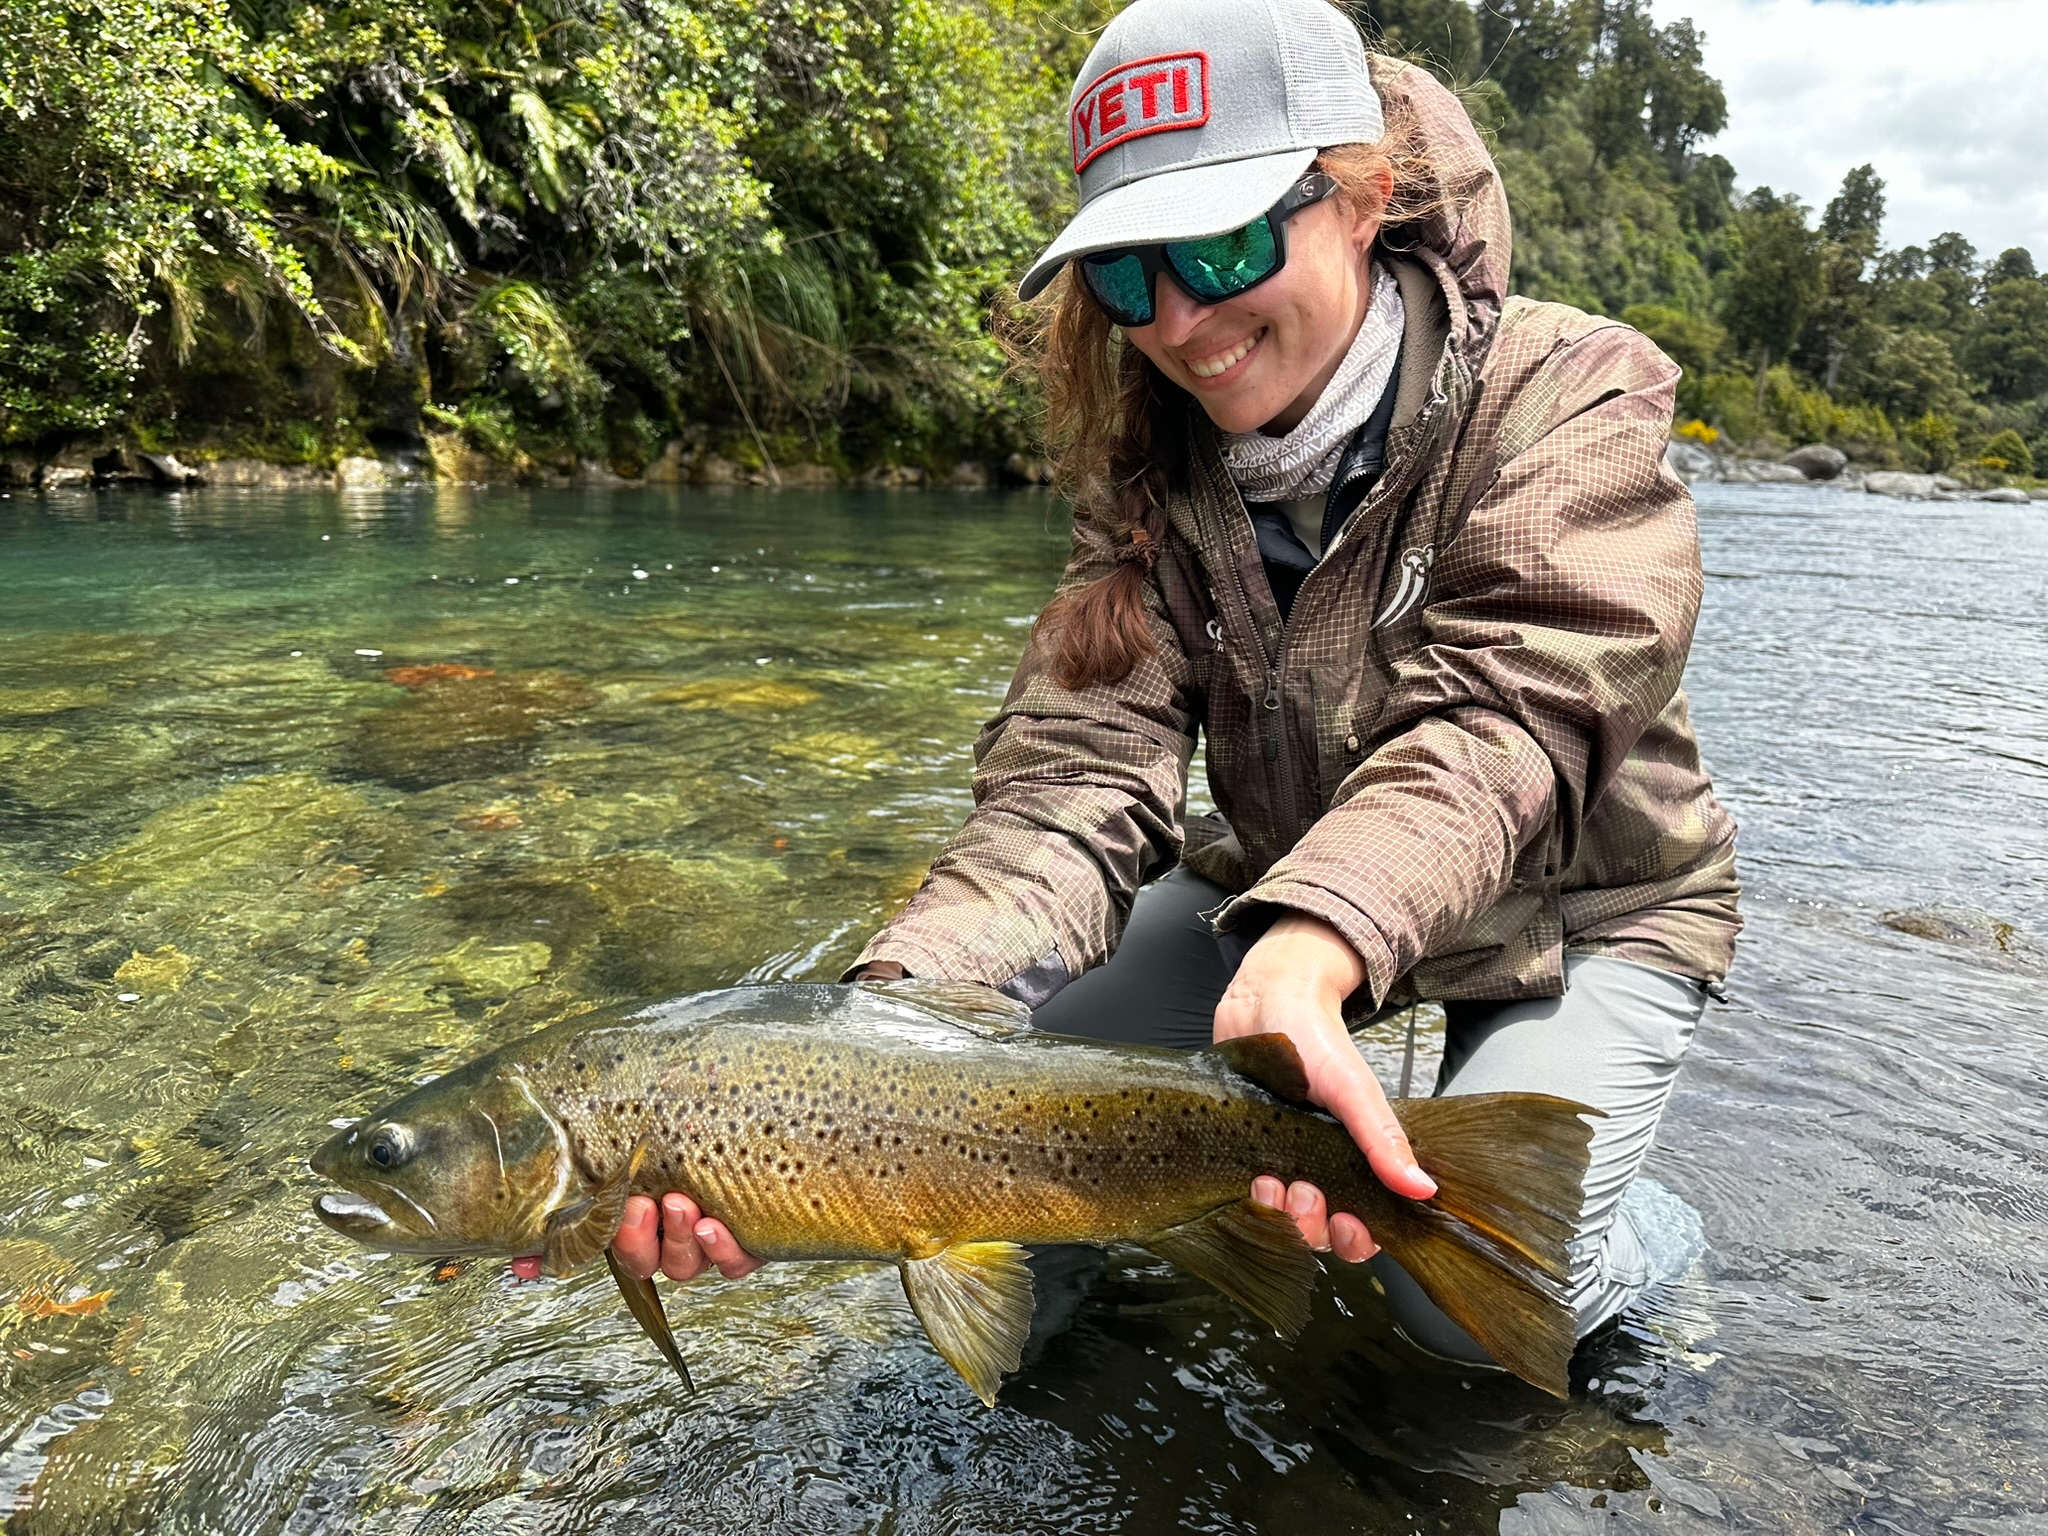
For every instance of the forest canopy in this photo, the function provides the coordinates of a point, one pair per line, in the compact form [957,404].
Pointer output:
[578,229]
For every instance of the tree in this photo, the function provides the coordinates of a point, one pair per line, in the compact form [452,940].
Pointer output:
[1849,240]
[1775,281]
[2009,349]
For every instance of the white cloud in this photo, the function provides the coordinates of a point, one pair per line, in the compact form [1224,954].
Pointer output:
[1947,98]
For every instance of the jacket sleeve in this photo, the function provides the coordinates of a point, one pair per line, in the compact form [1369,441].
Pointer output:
[1556,631]
[1078,799]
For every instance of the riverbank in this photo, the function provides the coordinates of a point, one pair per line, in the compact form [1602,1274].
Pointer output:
[1828,468]
[452,460]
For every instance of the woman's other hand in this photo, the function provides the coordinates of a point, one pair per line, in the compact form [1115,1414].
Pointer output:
[1293,982]
[675,1239]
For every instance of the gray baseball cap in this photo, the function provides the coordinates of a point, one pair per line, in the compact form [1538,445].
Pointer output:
[1192,117]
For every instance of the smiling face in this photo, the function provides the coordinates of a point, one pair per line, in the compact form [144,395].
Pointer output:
[1260,360]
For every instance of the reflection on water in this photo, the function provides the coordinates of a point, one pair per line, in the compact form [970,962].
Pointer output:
[304,797]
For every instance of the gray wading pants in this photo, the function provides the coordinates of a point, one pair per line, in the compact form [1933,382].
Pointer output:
[1614,1041]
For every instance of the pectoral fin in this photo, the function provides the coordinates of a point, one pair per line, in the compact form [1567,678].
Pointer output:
[577,1232]
[1251,1253]
[1271,1061]
[974,1299]
[645,1304]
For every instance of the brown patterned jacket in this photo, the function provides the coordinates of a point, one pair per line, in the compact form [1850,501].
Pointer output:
[1467,748]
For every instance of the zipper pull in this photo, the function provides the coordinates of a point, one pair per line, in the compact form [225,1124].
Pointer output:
[1272,707]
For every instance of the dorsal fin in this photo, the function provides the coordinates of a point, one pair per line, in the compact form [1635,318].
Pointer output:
[983,1010]
[1270,1060]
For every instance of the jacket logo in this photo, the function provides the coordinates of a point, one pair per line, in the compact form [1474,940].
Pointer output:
[1415,568]
[1145,96]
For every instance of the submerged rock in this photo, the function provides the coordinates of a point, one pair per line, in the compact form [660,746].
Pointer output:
[464,723]
[162,970]
[1964,928]
[214,839]
[738,695]
[22,703]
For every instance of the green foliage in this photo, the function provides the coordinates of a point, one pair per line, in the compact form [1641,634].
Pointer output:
[567,228]
[1934,439]
[2007,452]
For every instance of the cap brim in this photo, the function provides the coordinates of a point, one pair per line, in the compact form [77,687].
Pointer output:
[1187,204]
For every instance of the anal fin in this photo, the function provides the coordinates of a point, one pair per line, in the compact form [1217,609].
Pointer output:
[577,1232]
[974,1300]
[644,1302]
[1251,1253]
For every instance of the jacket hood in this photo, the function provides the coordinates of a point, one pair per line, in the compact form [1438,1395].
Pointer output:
[1470,233]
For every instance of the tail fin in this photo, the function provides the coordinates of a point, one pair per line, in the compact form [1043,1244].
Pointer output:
[1489,1249]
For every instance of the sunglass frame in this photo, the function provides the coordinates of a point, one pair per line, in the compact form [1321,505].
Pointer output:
[1310,189]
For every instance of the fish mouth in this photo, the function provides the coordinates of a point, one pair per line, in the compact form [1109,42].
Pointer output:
[356,1216]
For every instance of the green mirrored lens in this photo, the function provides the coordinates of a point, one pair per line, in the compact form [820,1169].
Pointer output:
[1225,264]
[1122,288]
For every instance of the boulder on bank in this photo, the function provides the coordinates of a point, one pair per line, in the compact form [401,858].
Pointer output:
[260,474]
[1764,472]
[1817,461]
[1690,462]
[806,473]
[1021,469]
[166,469]
[1893,482]
[2010,495]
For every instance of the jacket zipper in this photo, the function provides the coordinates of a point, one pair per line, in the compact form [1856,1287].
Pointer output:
[1275,735]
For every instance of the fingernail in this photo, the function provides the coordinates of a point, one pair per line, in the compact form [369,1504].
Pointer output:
[1300,1200]
[706,1232]
[672,1205]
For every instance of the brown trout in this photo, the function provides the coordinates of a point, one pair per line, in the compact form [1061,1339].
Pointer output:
[927,1125]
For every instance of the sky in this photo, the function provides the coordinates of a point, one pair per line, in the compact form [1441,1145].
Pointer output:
[1947,98]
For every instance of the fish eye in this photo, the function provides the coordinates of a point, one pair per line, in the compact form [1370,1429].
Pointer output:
[388,1148]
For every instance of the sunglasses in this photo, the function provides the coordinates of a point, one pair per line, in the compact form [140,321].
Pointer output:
[1209,270]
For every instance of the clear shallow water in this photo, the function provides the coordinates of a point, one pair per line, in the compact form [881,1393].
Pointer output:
[244,892]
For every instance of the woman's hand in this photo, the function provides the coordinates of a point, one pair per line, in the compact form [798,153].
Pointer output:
[675,1239]
[1293,982]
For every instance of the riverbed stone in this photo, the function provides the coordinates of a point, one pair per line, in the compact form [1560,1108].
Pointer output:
[472,727]
[1893,482]
[2010,495]
[969,475]
[1818,461]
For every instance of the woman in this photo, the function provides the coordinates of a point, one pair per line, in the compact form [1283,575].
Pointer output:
[1406,553]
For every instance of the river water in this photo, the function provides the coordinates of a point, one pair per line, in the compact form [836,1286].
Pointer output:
[302,798]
